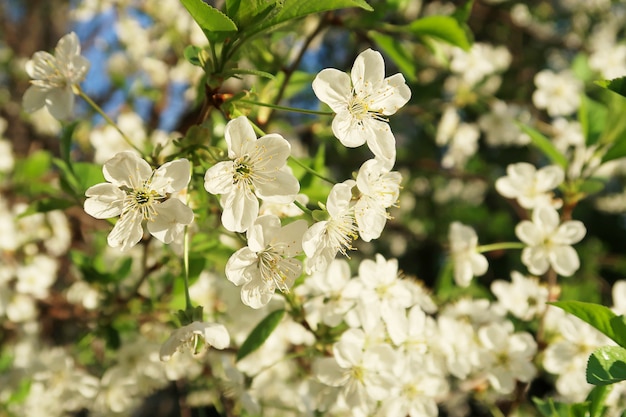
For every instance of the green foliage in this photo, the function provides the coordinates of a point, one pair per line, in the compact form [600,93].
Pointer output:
[545,145]
[550,408]
[607,365]
[592,116]
[596,399]
[617,85]
[260,333]
[598,316]
[215,24]
[395,50]
[443,28]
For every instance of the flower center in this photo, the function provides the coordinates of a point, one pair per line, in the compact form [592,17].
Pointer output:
[340,233]
[142,199]
[358,107]
[273,271]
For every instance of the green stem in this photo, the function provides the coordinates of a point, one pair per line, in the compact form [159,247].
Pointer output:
[188,305]
[101,112]
[291,109]
[311,170]
[303,207]
[500,246]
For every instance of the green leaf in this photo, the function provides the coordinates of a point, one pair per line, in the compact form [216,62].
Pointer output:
[597,398]
[617,85]
[443,28]
[396,51]
[192,55]
[66,141]
[45,205]
[209,18]
[607,365]
[246,71]
[614,134]
[592,116]
[253,11]
[87,174]
[596,315]
[295,9]
[549,408]
[592,186]
[260,333]
[545,145]
[462,13]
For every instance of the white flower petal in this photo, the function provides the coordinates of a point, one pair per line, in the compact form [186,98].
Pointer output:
[168,223]
[238,134]
[104,201]
[237,265]
[219,178]
[333,87]
[126,169]
[564,260]
[241,208]
[172,176]
[127,232]
[34,98]
[60,102]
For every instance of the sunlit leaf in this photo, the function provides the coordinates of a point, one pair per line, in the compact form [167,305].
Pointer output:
[260,333]
[443,28]
[545,145]
[607,365]
[596,315]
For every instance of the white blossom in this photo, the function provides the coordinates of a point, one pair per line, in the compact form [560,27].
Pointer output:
[54,78]
[195,337]
[380,190]
[257,168]
[325,238]
[136,192]
[362,101]
[524,297]
[465,258]
[557,93]
[549,242]
[268,262]
[531,187]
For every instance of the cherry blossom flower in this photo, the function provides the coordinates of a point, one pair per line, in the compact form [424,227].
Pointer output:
[257,168]
[557,93]
[324,239]
[380,190]
[549,242]
[362,101]
[195,337]
[380,295]
[55,78]
[362,371]
[136,192]
[467,261]
[531,187]
[509,356]
[268,261]
[524,297]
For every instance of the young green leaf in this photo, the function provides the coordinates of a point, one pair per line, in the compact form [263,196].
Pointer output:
[209,18]
[617,85]
[260,333]
[545,145]
[597,315]
[462,13]
[443,28]
[592,116]
[549,408]
[597,398]
[607,365]
[396,51]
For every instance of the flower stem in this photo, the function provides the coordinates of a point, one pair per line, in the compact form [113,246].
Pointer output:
[303,207]
[101,112]
[500,246]
[188,305]
[310,170]
[291,109]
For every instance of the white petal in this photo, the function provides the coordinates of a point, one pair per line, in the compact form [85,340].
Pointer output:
[127,232]
[256,293]
[67,47]
[238,133]
[279,187]
[368,70]
[550,177]
[104,201]
[339,198]
[237,265]
[536,259]
[126,169]
[382,142]
[564,260]
[219,178]
[529,233]
[241,208]
[329,372]
[262,231]
[216,335]
[333,88]
[350,131]
[60,103]
[168,223]
[171,177]
[288,240]
[34,98]
[570,232]
[546,218]
[391,96]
